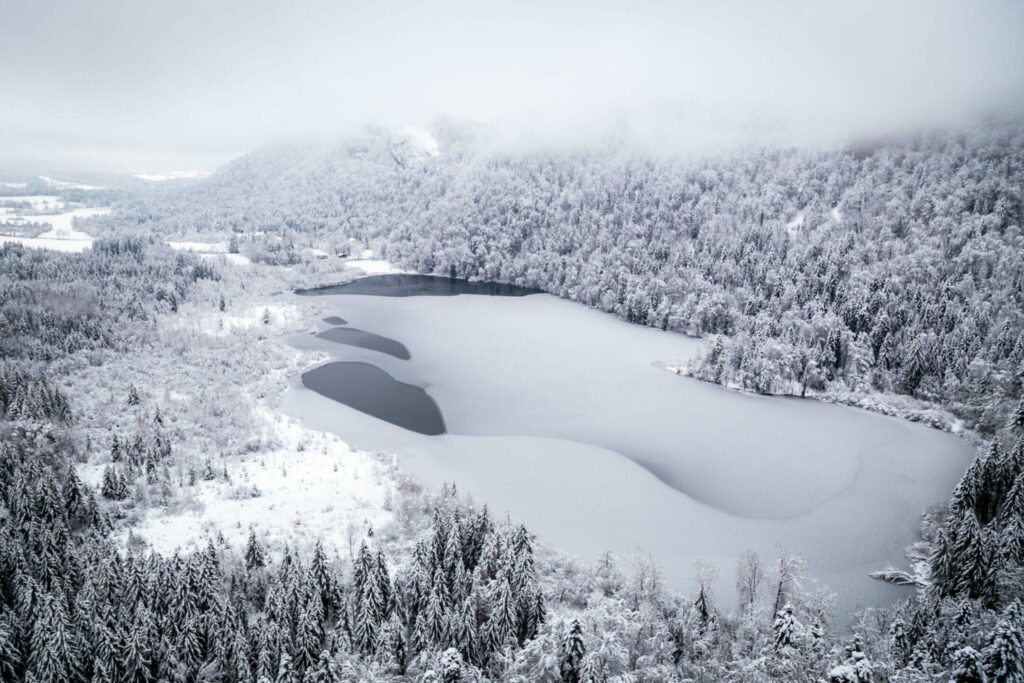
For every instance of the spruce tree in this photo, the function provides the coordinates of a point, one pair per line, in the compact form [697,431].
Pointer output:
[1004,653]
[255,555]
[1017,416]
[114,486]
[571,653]
[966,666]
[785,628]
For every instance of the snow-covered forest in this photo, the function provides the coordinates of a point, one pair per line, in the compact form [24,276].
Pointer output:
[888,277]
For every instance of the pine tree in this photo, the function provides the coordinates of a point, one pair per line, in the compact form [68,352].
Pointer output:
[967,555]
[364,630]
[571,653]
[309,635]
[502,622]
[9,657]
[1017,417]
[255,555]
[702,609]
[966,666]
[450,666]
[114,486]
[785,629]
[323,672]
[1004,653]
[133,396]
[286,669]
[52,656]
[135,654]
[466,631]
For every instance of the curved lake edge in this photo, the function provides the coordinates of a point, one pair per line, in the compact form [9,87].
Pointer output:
[416,284]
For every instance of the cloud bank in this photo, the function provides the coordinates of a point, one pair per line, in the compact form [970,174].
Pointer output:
[139,85]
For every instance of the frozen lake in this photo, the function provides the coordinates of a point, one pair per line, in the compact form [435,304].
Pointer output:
[564,417]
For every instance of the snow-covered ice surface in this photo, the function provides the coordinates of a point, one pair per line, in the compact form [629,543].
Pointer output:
[562,416]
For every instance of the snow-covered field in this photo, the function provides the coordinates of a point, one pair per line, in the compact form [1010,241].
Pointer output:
[374,266]
[312,486]
[56,244]
[67,185]
[213,251]
[269,318]
[61,235]
[37,202]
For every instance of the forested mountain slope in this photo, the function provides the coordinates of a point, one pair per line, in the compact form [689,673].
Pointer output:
[897,268]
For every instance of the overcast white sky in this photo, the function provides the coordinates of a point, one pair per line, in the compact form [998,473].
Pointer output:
[136,85]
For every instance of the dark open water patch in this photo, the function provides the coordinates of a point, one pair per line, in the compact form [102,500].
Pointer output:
[370,390]
[366,340]
[335,320]
[420,285]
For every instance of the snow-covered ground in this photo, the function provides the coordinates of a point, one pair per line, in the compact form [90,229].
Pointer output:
[37,202]
[56,244]
[271,318]
[374,266]
[61,235]
[212,251]
[66,185]
[312,486]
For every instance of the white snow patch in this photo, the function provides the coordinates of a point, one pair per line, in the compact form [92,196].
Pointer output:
[61,236]
[233,259]
[211,251]
[312,486]
[62,224]
[13,186]
[172,175]
[374,266]
[796,224]
[65,185]
[837,215]
[56,244]
[422,139]
[219,324]
[206,247]
[37,202]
